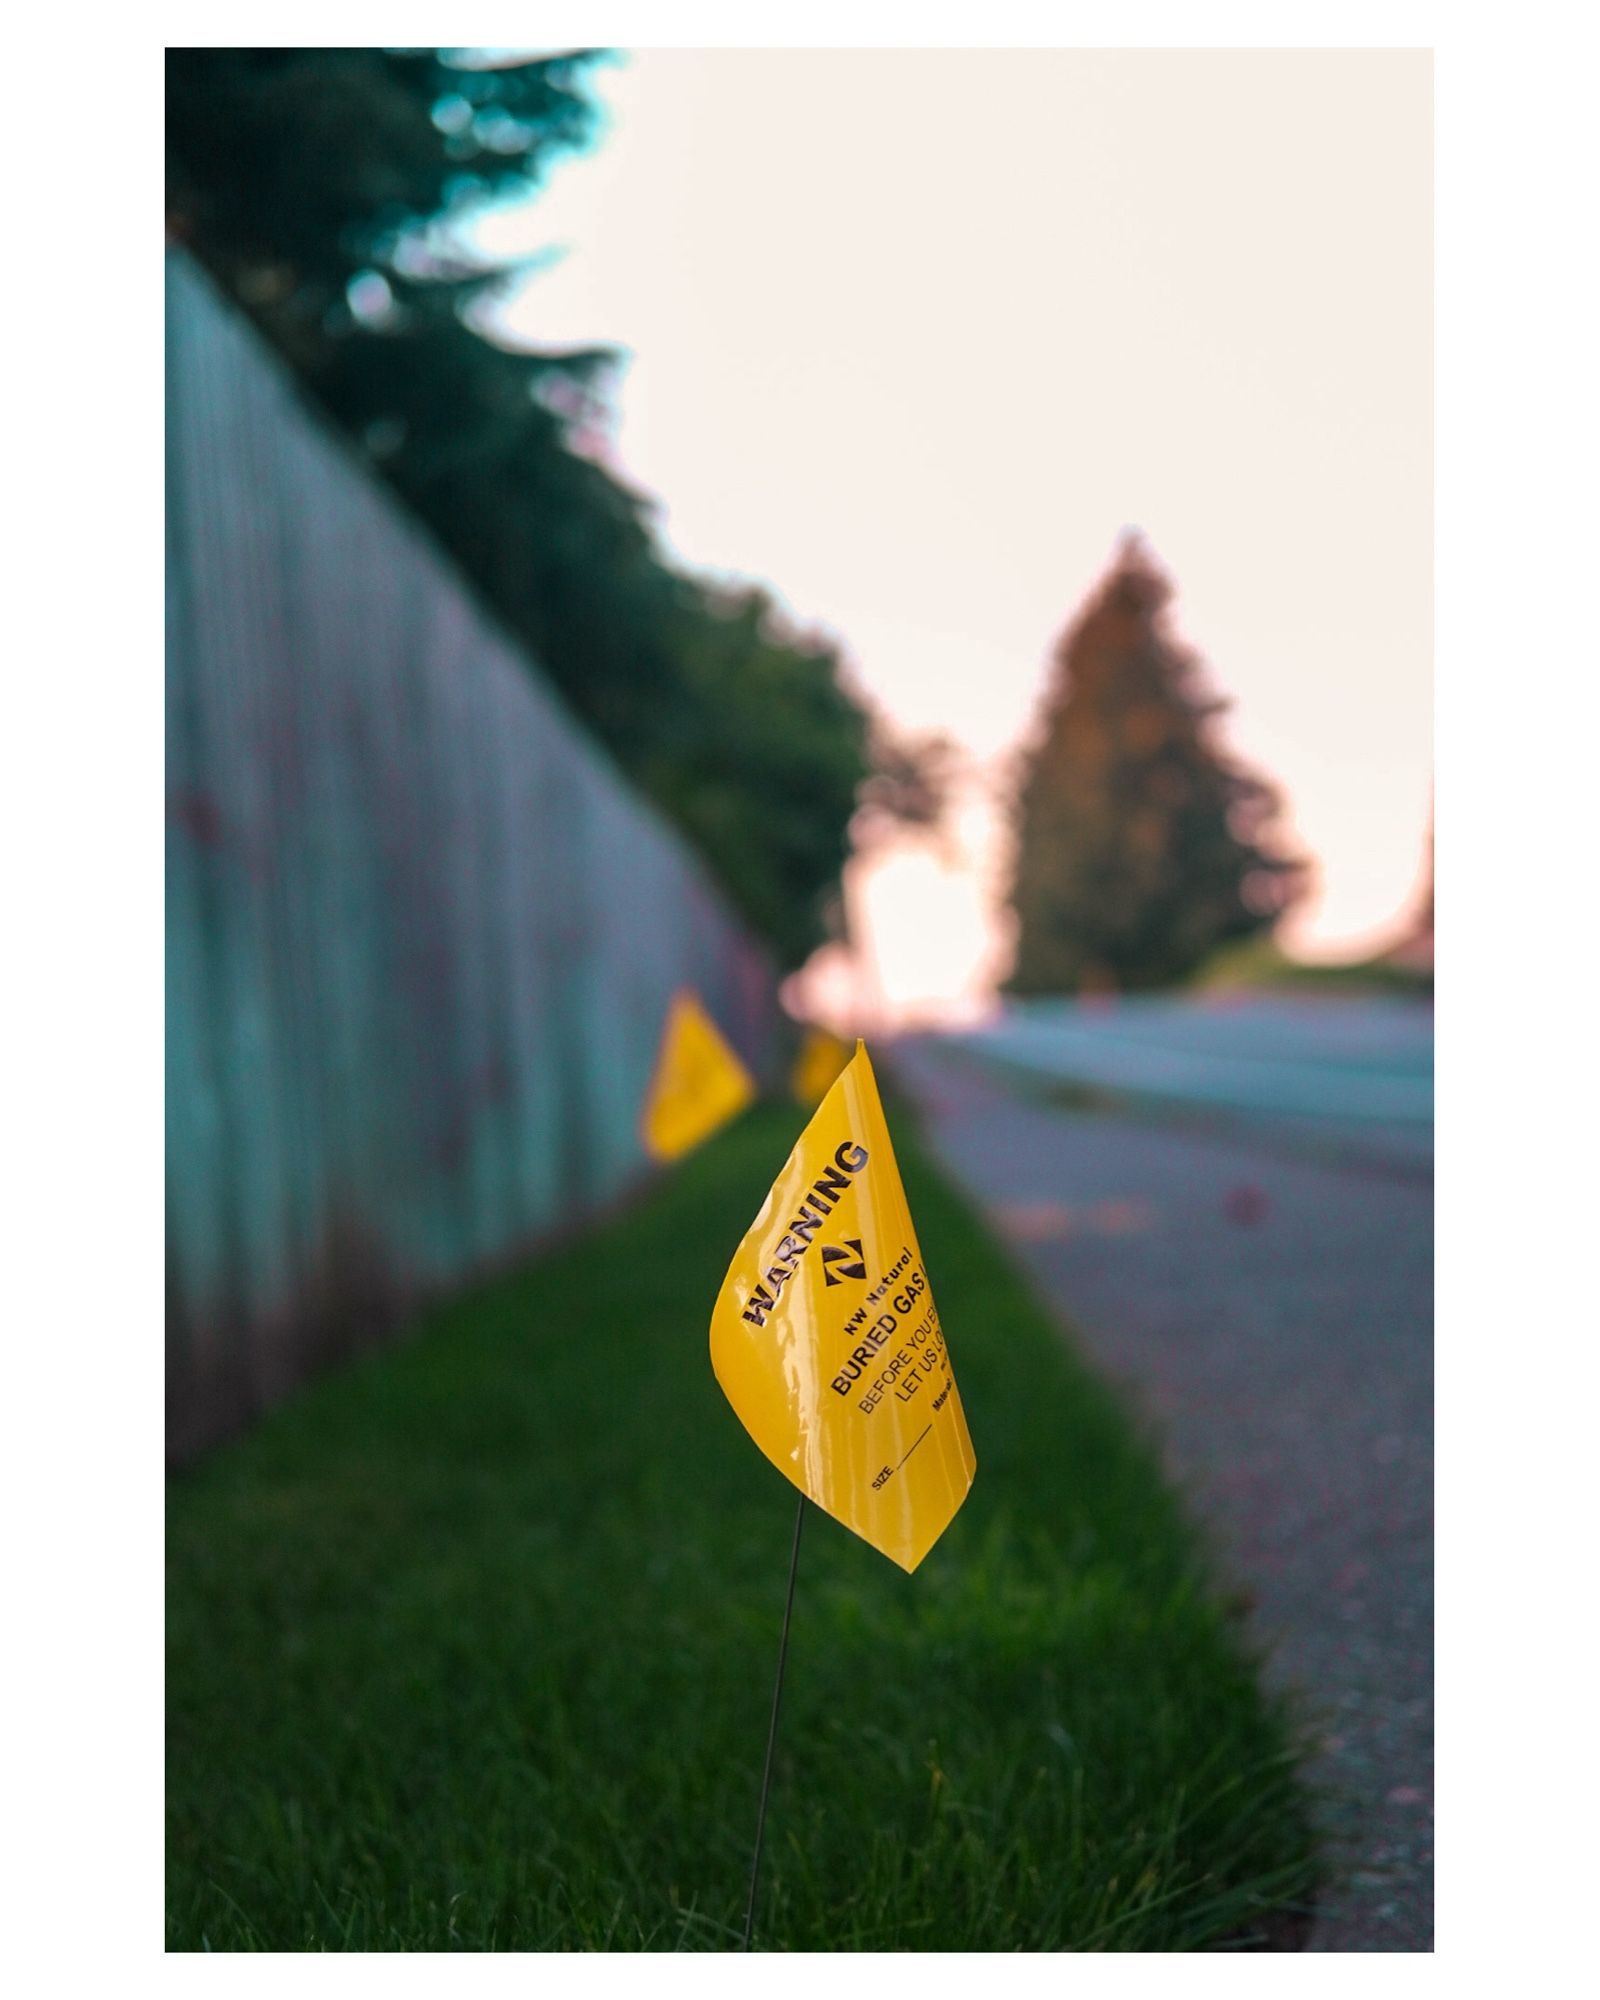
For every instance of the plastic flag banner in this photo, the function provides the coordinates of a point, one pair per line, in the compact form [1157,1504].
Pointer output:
[827,1343]
[820,1060]
[699,1083]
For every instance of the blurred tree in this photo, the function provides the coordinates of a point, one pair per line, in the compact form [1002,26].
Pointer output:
[913,782]
[762,762]
[1413,954]
[296,169]
[1138,839]
[327,189]
[1423,922]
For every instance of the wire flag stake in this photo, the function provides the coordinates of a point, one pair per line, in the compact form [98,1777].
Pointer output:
[829,1348]
[772,1731]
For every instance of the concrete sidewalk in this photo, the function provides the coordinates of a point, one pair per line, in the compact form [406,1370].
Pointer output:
[1273,1316]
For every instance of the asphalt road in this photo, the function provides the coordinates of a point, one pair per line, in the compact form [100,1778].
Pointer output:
[1249,1253]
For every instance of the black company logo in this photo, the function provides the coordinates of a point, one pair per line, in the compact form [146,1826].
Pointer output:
[838,1263]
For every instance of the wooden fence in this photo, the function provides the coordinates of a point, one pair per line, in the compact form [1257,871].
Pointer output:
[421,935]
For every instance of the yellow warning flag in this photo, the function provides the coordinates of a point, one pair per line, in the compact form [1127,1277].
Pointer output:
[827,1343]
[820,1060]
[699,1083]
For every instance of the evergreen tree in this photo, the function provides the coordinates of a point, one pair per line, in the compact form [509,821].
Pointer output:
[1139,840]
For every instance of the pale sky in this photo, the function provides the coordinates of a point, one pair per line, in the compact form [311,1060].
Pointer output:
[916,333]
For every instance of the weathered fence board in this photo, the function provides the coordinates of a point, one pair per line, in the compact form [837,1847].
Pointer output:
[421,936]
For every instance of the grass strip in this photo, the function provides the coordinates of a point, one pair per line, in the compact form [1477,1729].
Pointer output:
[470,1647]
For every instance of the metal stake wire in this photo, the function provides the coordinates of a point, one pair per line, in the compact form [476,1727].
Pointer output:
[772,1732]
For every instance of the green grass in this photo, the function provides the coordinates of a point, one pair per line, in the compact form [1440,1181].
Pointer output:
[1257,964]
[471,1646]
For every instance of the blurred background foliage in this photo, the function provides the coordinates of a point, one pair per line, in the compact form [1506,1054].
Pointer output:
[326,189]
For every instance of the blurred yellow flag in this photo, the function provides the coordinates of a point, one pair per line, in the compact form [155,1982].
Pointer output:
[820,1060]
[827,1343]
[699,1083]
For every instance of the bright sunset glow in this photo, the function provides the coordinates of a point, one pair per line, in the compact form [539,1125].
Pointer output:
[918,333]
